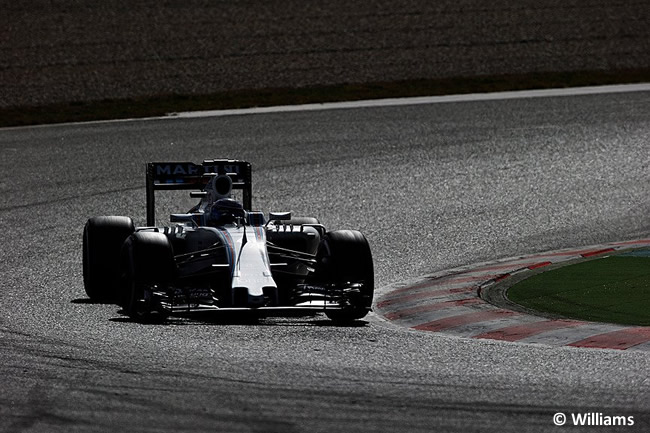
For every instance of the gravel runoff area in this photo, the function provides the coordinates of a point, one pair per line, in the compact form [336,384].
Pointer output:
[59,51]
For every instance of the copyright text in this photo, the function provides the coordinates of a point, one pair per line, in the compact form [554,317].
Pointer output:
[592,419]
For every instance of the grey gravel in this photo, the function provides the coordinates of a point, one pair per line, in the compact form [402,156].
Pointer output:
[66,50]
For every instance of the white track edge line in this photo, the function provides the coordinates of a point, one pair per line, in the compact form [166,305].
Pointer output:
[374,103]
[420,100]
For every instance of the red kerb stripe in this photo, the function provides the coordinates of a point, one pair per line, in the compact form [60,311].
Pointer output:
[423,295]
[431,307]
[464,319]
[637,242]
[519,332]
[511,266]
[598,252]
[539,265]
[622,339]
[567,253]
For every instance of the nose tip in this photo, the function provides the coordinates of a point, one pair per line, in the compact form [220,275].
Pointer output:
[256,301]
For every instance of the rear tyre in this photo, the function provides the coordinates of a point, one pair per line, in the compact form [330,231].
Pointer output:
[147,265]
[296,221]
[345,259]
[102,241]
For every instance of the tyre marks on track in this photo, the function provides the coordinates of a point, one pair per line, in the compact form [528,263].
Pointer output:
[451,303]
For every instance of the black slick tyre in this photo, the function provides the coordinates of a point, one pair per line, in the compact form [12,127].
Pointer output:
[147,265]
[103,237]
[345,259]
[302,220]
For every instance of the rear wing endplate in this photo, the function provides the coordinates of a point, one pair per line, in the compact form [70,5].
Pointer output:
[187,175]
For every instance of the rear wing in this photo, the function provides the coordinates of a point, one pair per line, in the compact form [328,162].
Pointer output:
[187,175]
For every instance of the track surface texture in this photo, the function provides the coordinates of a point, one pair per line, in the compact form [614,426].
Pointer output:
[66,50]
[433,187]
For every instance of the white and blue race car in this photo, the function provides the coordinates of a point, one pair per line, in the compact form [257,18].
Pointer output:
[221,255]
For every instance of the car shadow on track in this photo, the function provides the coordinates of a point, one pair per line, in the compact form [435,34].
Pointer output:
[243,318]
[217,318]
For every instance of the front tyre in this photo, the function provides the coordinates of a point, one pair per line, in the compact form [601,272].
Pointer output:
[147,265]
[102,241]
[345,261]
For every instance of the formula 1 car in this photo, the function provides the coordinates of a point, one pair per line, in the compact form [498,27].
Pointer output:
[221,255]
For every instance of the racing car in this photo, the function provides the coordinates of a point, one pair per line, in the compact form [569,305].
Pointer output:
[222,255]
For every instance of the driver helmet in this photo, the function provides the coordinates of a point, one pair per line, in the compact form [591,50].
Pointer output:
[225,211]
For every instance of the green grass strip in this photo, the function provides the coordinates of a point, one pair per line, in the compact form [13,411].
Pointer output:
[613,289]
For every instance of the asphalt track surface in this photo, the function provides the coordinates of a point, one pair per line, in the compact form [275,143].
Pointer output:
[432,186]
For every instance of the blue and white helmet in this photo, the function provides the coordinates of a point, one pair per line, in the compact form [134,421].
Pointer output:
[225,211]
